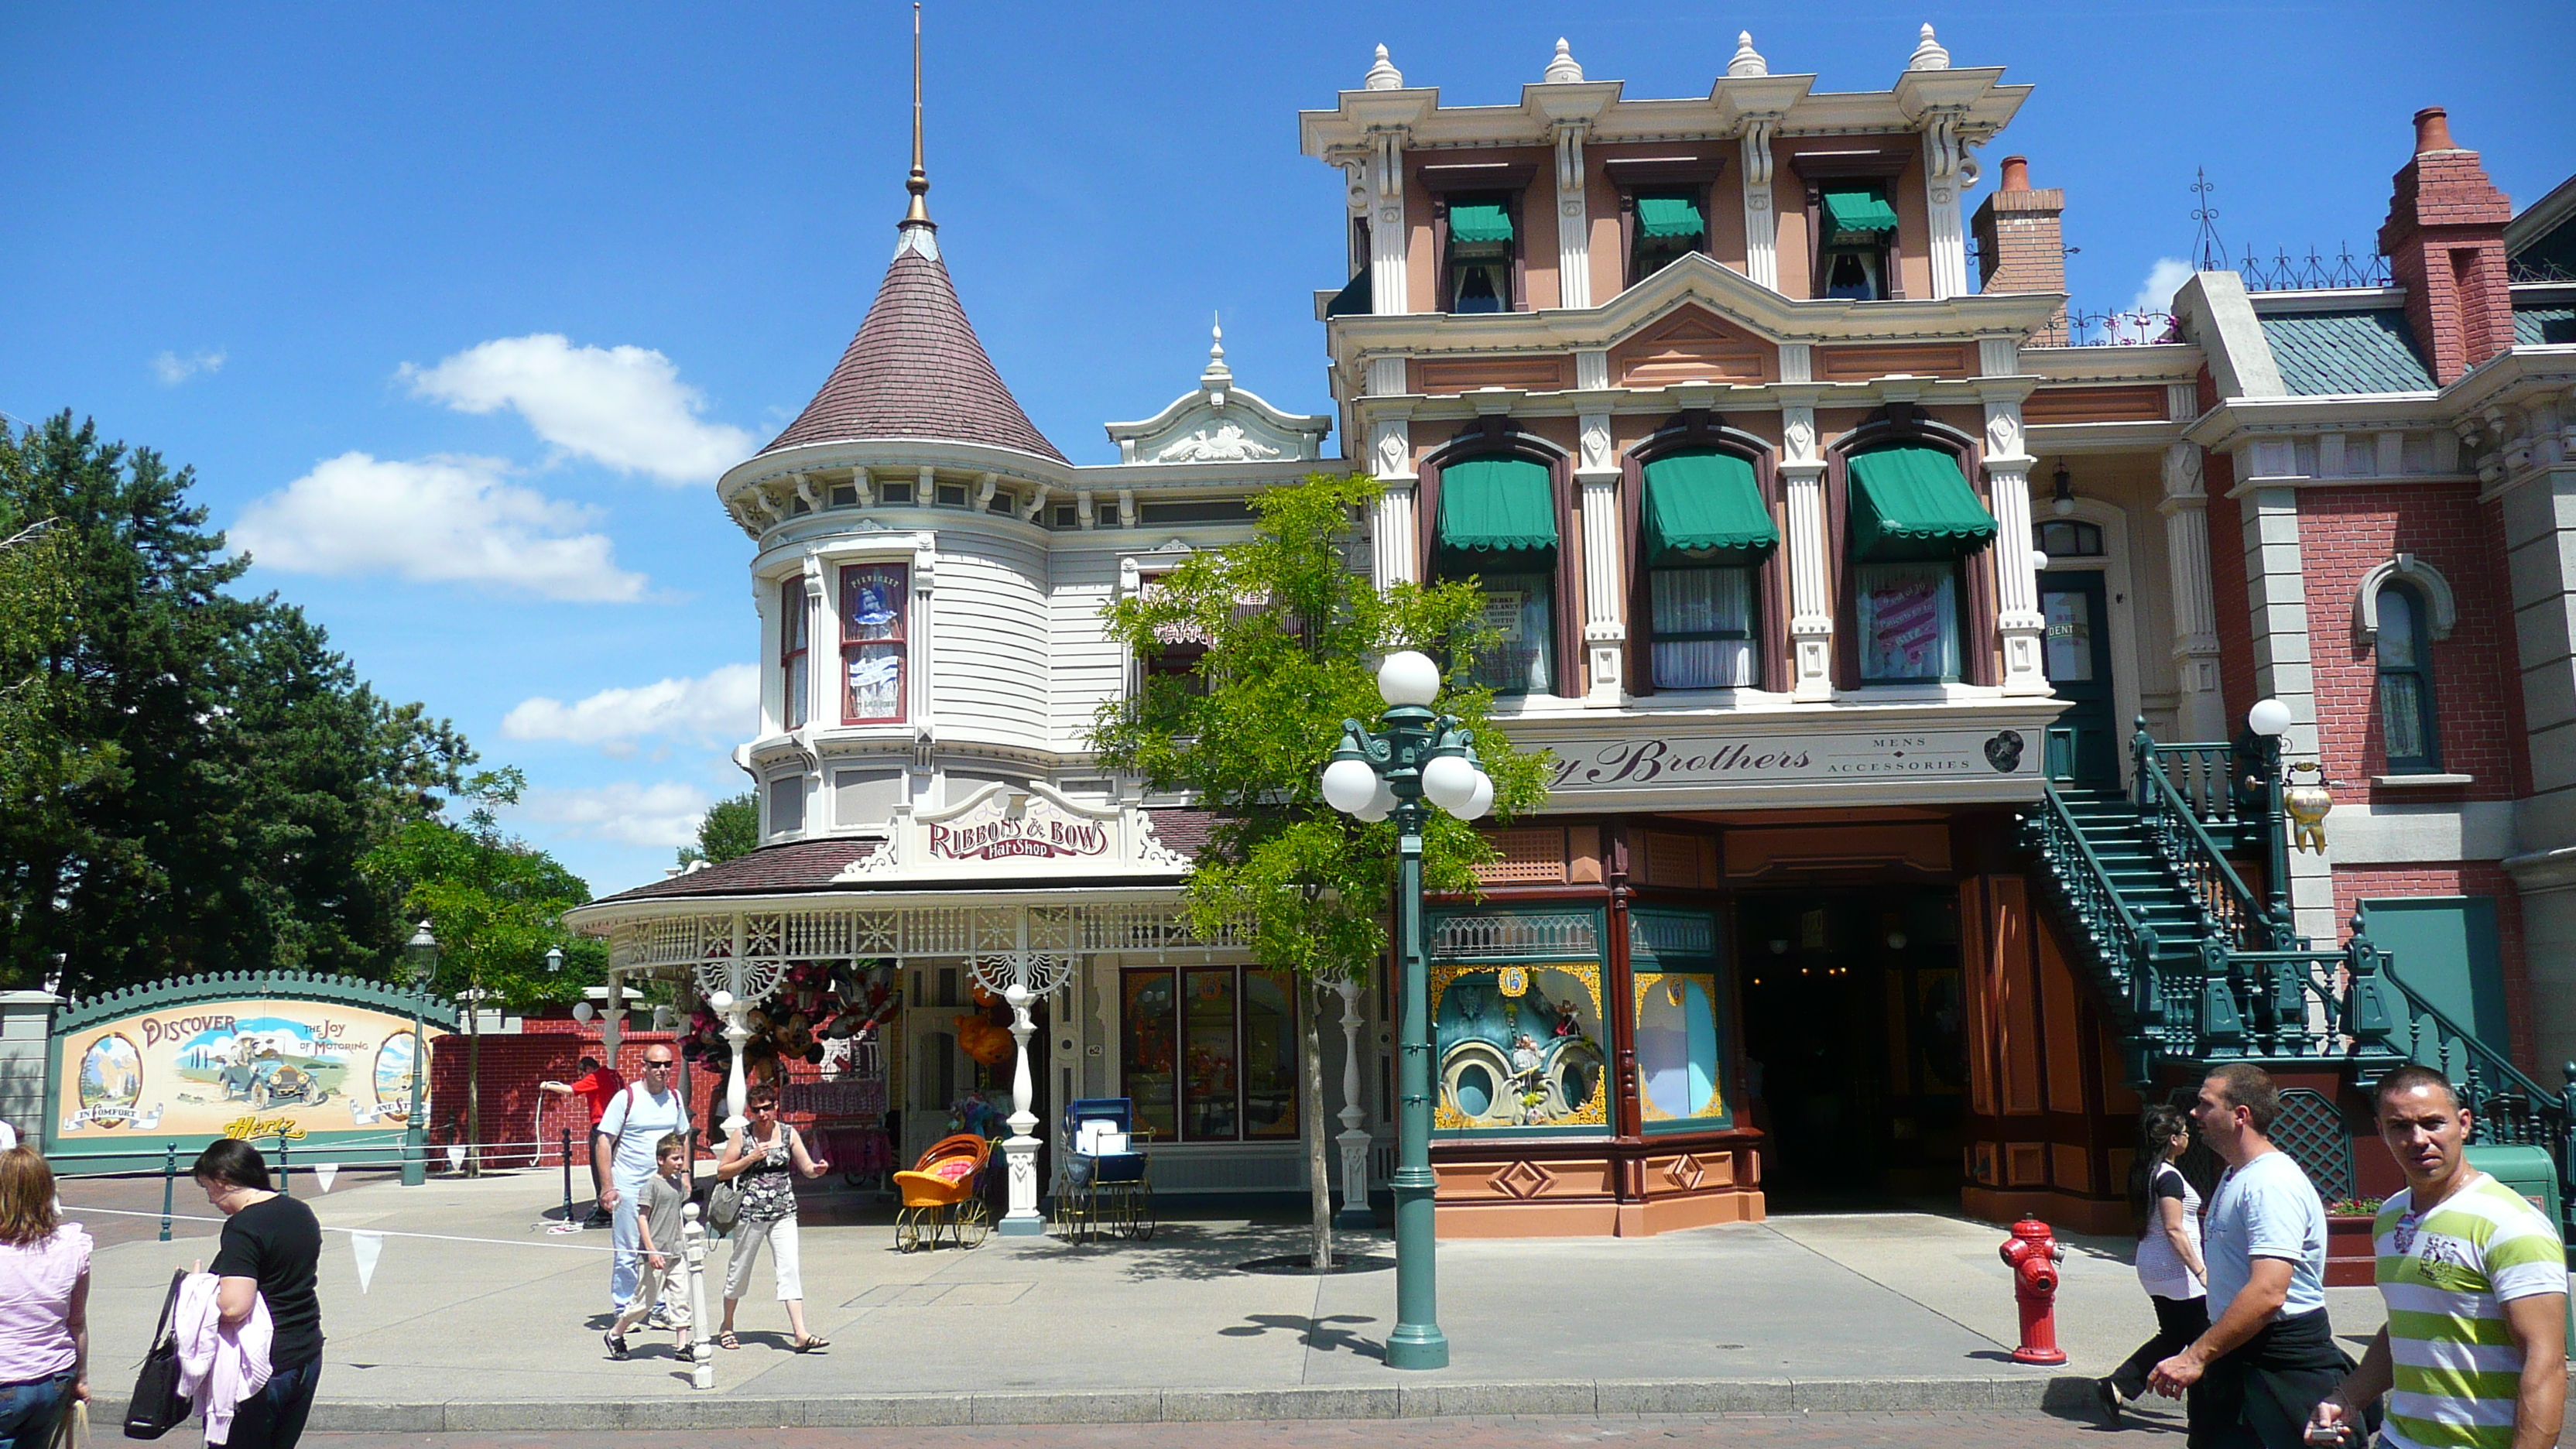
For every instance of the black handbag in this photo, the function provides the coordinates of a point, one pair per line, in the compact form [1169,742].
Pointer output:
[157,1406]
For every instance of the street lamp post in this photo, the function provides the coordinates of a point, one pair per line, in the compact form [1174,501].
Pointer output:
[420,954]
[1415,760]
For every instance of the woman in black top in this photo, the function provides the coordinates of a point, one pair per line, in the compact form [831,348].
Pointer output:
[272,1247]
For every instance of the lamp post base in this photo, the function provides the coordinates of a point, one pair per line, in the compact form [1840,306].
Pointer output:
[1414,1346]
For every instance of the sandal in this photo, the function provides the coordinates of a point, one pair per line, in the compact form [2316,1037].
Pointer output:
[808,1345]
[727,1340]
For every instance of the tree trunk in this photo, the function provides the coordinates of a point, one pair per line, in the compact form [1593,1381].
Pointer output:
[1319,1178]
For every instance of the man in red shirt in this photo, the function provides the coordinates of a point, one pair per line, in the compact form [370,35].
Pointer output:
[598,1086]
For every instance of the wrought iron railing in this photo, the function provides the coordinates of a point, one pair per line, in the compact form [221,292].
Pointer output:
[2121,938]
[2313,272]
[2229,909]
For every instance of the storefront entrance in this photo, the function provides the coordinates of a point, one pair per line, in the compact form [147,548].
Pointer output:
[1854,1044]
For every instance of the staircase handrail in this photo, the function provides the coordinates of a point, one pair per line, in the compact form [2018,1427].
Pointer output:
[2175,828]
[2099,902]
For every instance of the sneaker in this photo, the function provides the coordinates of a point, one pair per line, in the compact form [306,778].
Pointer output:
[616,1345]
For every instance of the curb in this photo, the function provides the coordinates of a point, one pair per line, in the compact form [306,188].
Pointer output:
[2059,1394]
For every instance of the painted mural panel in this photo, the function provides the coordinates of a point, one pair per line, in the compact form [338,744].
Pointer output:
[1519,1046]
[246,1068]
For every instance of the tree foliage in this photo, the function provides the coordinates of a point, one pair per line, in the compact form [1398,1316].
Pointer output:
[1293,630]
[189,780]
[494,903]
[730,828]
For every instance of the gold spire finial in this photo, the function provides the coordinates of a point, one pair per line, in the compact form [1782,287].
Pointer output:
[918,183]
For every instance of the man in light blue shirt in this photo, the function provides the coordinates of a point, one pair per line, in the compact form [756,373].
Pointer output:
[621,1160]
[2269,1356]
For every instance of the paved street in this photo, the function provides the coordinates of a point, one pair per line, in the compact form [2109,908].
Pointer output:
[478,1319]
[1800,1431]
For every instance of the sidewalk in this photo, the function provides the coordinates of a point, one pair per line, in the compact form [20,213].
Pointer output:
[1861,1312]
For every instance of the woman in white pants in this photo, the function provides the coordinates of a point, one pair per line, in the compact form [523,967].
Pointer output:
[759,1157]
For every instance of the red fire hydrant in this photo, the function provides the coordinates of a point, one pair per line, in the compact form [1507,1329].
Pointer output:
[2033,1256]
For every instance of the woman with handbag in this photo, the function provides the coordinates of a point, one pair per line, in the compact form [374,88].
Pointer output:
[755,1166]
[44,1304]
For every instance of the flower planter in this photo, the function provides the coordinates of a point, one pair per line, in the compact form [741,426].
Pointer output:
[2350,1256]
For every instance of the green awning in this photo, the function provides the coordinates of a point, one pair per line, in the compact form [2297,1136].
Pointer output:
[1669,217]
[1911,504]
[1493,506]
[1479,221]
[1704,508]
[1857,217]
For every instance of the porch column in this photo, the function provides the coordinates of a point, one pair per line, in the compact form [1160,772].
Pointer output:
[2200,713]
[2016,576]
[1811,608]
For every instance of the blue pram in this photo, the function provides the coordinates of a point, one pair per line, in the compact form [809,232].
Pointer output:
[1097,1189]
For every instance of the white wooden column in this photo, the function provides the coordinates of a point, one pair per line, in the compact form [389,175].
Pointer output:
[1394,540]
[2017,616]
[1942,180]
[2200,713]
[1761,223]
[1387,231]
[1573,225]
[1605,634]
[1811,607]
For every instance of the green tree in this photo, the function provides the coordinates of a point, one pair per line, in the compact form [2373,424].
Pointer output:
[194,777]
[730,828]
[1293,633]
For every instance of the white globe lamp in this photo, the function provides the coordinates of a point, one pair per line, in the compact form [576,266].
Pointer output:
[1380,805]
[1408,677]
[1482,800]
[1450,781]
[2269,718]
[1349,785]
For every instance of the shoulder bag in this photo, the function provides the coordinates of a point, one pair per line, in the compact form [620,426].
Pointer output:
[157,1406]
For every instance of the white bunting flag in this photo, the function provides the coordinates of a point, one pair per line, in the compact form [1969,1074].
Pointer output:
[323,1172]
[456,1157]
[367,1246]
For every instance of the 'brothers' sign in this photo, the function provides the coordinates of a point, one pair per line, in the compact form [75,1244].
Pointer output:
[1670,760]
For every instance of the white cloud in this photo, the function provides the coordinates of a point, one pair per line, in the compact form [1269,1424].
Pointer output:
[720,705]
[173,369]
[2164,279]
[664,814]
[431,520]
[622,406]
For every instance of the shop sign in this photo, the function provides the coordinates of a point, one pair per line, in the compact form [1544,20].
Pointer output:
[1648,761]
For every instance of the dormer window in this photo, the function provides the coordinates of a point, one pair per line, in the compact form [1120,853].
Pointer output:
[1668,226]
[1855,226]
[1480,264]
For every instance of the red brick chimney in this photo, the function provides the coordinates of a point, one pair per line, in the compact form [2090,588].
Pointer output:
[2021,243]
[2444,240]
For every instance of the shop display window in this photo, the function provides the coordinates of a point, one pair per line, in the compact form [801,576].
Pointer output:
[1519,1046]
[1679,987]
[1209,1053]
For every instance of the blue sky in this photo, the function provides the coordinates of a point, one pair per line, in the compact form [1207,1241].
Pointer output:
[457,310]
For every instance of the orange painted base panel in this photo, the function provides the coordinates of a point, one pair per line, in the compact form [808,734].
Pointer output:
[2060,1210]
[1598,1219]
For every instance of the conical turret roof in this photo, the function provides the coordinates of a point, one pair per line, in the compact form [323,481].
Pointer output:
[916,368]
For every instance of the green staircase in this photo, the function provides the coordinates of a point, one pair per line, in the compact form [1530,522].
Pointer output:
[2195,969]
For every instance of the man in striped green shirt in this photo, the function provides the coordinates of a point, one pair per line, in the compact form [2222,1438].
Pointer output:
[2476,1282]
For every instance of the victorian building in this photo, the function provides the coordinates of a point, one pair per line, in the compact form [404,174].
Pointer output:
[1892,650]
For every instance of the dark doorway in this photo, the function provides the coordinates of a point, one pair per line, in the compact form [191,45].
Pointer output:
[2084,744]
[1855,1047]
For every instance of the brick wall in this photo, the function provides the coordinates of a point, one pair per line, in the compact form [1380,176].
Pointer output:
[2344,533]
[2353,884]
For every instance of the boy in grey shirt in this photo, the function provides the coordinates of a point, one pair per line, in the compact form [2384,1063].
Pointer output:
[657,1218]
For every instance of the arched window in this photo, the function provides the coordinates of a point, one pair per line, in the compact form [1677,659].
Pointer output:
[2406,682]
